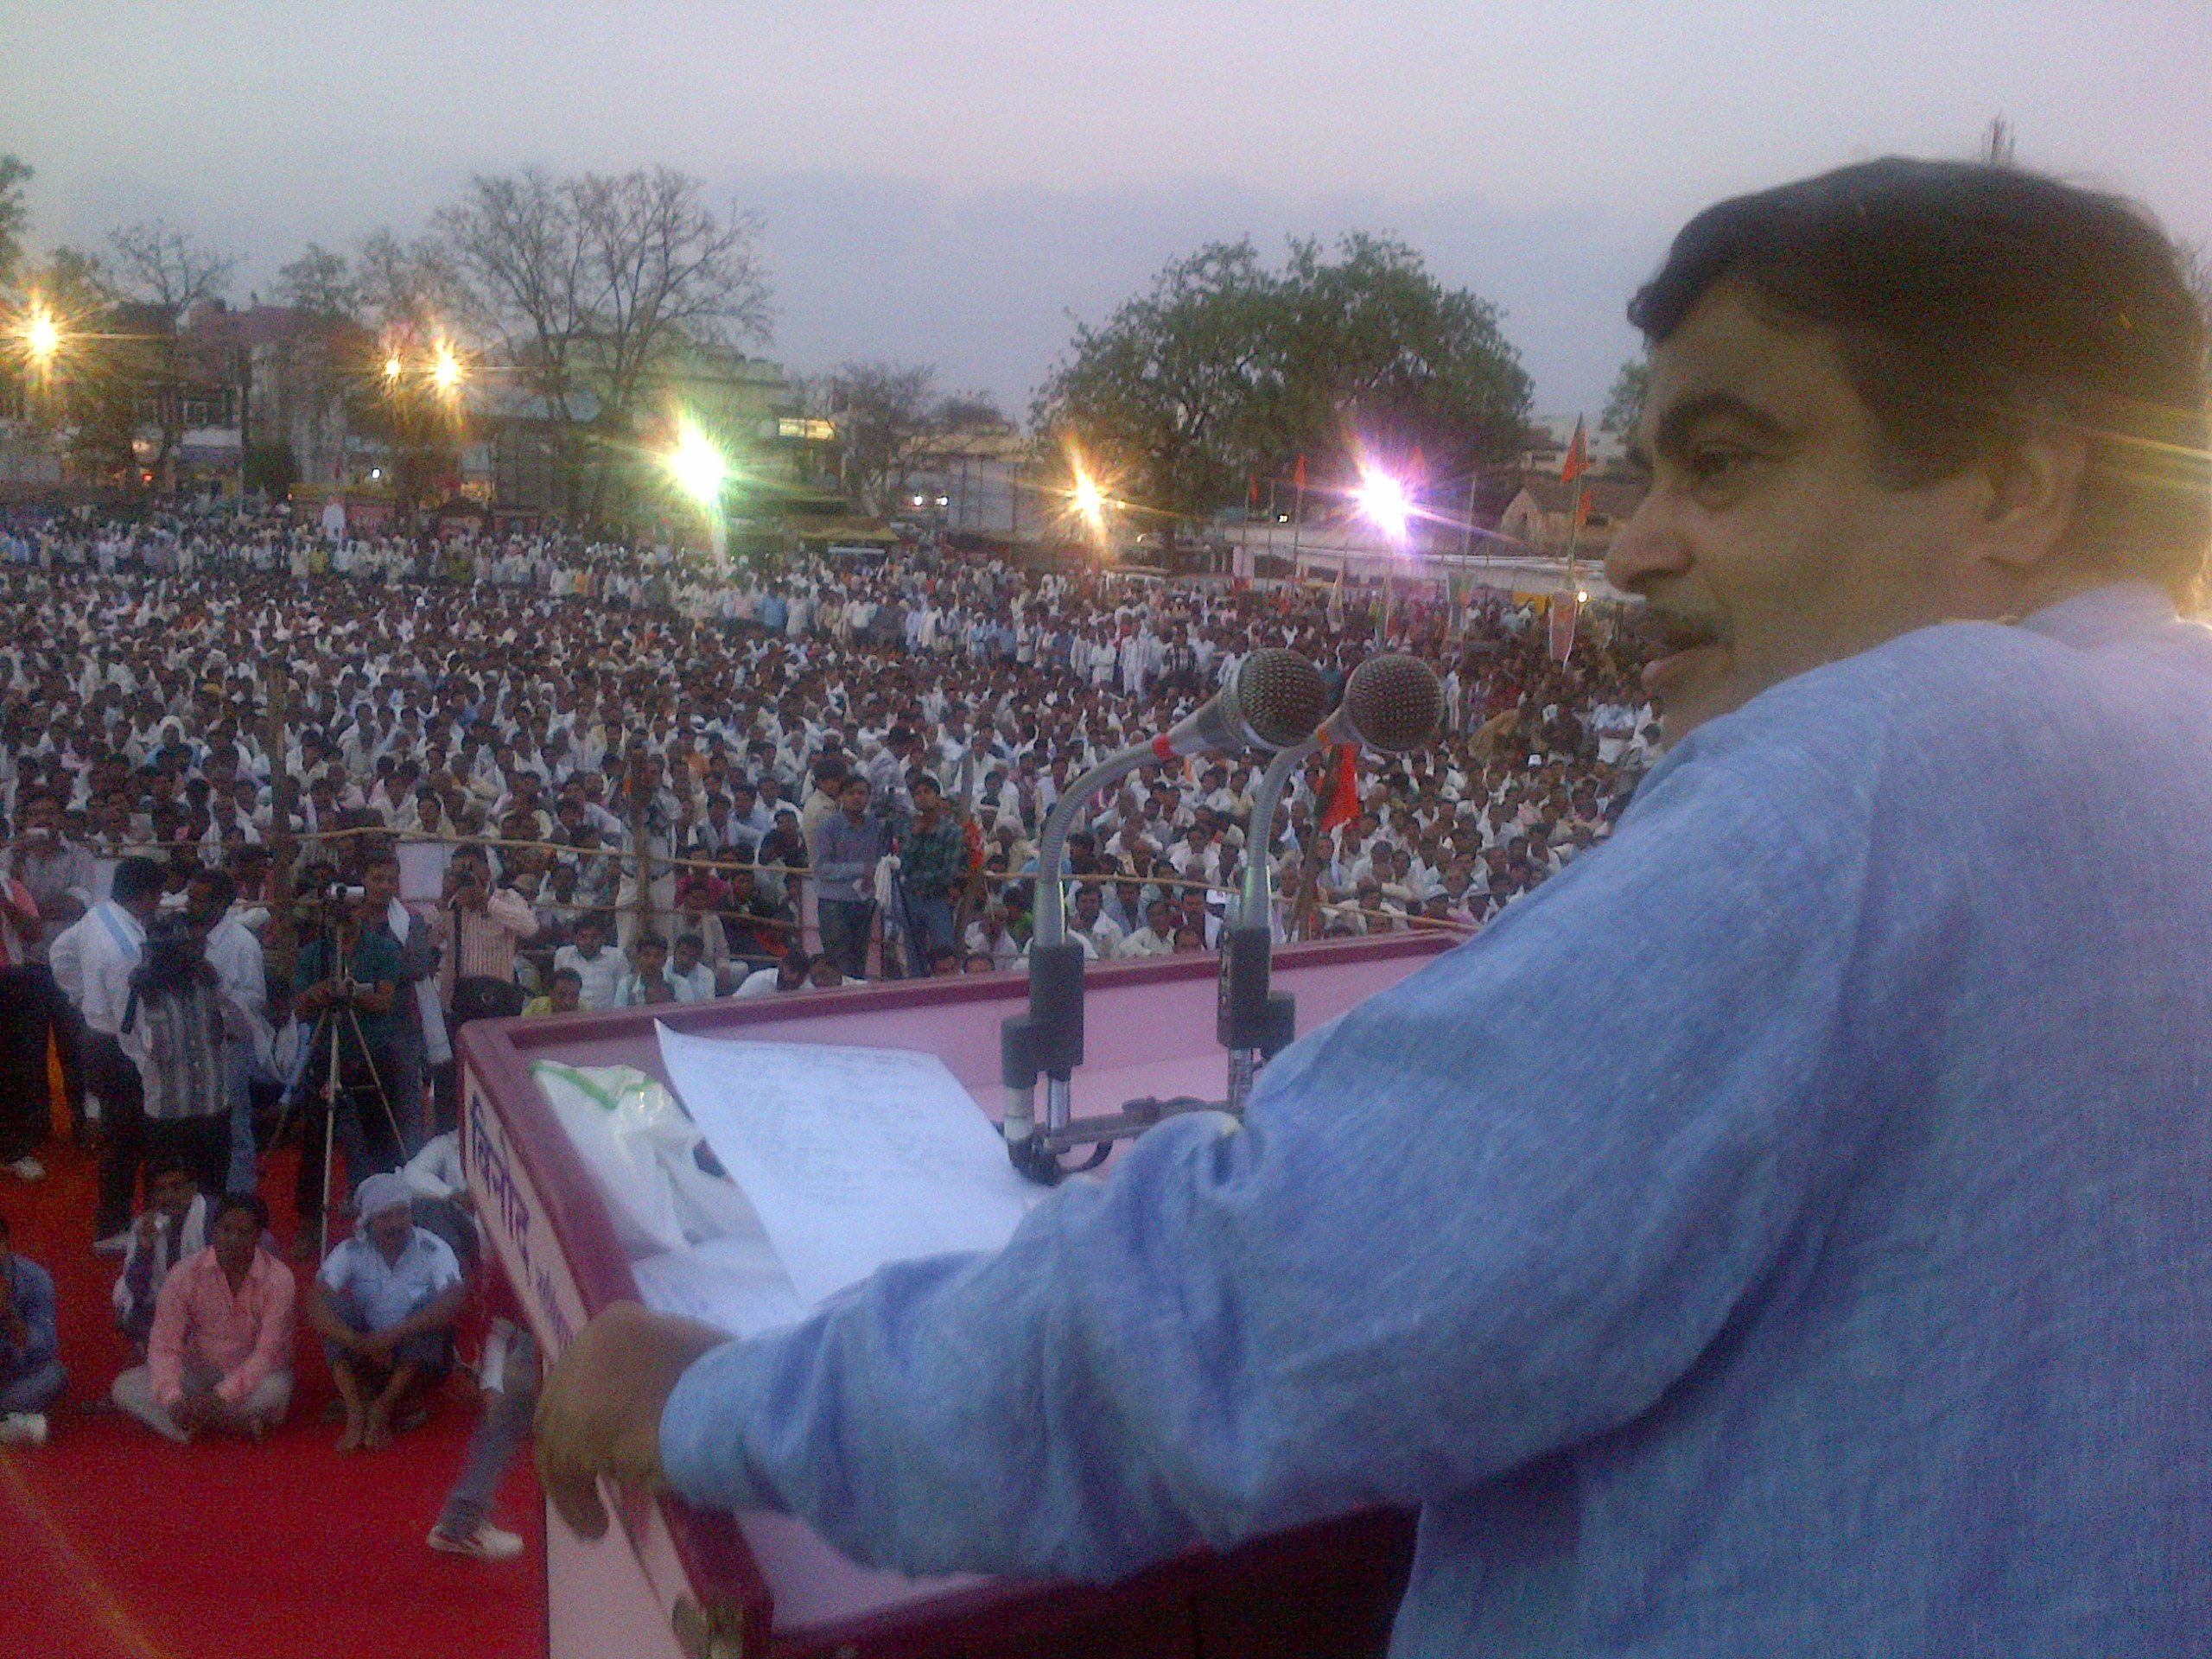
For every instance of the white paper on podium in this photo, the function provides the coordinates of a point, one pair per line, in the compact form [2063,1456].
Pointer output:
[851,1156]
[736,1285]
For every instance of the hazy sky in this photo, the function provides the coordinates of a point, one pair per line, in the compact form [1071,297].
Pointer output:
[947,182]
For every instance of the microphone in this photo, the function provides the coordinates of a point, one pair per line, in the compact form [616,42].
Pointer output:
[1270,700]
[1392,703]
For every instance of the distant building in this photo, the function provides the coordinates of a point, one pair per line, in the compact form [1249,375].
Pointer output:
[966,482]
[749,405]
[1540,515]
[283,383]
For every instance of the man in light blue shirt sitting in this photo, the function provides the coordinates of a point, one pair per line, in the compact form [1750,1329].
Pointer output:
[385,1305]
[1845,1284]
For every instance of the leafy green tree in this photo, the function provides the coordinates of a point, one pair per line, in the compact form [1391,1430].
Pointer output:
[1227,369]
[1378,346]
[1625,403]
[1163,394]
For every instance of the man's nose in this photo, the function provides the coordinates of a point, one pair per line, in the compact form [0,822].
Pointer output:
[1650,546]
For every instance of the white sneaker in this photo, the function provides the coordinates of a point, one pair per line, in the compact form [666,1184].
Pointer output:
[486,1543]
[28,1428]
[27,1169]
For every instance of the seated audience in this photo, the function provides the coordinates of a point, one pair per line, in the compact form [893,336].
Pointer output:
[219,1355]
[599,968]
[792,971]
[385,1305]
[173,1227]
[563,995]
[31,1375]
[649,971]
[688,972]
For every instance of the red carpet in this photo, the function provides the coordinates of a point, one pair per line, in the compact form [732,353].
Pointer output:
[115,1544]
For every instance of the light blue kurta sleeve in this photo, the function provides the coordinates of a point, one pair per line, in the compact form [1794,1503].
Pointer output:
[1490,1213]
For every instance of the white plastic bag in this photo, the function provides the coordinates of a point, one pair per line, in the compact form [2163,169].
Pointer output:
[637,1143]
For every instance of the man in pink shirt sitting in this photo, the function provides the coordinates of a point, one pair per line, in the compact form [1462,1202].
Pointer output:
[219,1355]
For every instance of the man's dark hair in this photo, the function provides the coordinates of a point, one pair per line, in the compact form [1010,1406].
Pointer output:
[168,1164]
[1972,303]
[135,879]
[250,1202]
[222,891]
[570,975]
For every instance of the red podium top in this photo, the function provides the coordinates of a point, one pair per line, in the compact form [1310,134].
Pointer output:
[761,1584]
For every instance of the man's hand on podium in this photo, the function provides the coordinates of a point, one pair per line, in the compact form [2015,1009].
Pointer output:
[599,1412]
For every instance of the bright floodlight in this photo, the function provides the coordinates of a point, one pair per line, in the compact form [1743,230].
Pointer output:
[42,336]
[1381,499]
[697,466]
[445,368]
[1089,501]
[392,367]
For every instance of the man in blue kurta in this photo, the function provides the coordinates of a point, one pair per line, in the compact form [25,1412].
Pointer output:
[1789,1230]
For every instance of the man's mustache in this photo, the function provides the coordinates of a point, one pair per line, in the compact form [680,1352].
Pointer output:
[1669,630]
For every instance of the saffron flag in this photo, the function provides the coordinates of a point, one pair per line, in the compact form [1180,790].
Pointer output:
[1578,455]
[1341,804]
[1581,508]
[1298,473]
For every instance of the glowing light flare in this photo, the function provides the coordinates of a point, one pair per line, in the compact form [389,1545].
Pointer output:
[1382,501]
[42,336]
[446,372]
[393,366]
[1090,500]
[39,337]
[700,470]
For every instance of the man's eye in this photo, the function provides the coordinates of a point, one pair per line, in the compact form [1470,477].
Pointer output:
[1715,462]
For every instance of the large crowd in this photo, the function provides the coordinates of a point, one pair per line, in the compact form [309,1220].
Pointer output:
[280,807]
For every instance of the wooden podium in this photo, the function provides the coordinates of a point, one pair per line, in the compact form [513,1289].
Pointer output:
[671,1582]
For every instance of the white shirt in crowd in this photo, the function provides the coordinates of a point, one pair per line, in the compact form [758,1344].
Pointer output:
[602,974]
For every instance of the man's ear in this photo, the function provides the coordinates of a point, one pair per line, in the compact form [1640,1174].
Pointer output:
[2035,482]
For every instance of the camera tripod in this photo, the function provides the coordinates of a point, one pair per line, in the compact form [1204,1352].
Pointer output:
[329,1091]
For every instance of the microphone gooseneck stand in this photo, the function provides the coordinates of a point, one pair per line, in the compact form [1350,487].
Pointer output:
[1253,1022]
[1391,703]
[1271,699]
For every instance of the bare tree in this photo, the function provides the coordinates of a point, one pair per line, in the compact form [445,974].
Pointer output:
[883,417]
[15,212]
[320,283]
[167,272]
[667,274]
[595,290]
[405,288]
[164,266]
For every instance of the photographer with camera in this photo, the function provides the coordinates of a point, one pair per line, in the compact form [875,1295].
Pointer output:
[347,980]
